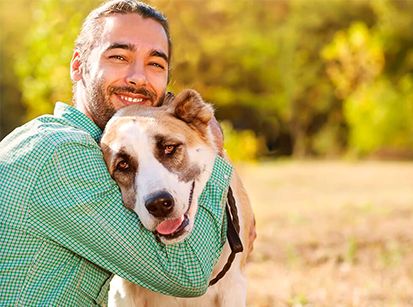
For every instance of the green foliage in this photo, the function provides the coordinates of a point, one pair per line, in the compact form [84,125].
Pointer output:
[43,65]
[301,74]
[13,22]
[380,116]
[355,57]
[241,145]
[377,108]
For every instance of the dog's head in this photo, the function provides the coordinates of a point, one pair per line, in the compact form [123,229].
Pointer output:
[161,158]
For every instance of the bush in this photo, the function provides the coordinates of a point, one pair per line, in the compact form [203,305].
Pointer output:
[380,117]
[241,145]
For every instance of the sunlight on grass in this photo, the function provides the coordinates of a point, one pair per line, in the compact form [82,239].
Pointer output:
[331,233]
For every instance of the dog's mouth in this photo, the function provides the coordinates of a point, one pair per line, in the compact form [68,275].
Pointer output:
[171,229]
[174,228]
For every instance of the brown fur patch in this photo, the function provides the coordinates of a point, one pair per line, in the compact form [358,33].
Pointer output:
[124,178]
[177,161]
[189,107]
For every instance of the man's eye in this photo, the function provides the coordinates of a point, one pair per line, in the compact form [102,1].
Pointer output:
[117,58]
[122,166]
[157,65]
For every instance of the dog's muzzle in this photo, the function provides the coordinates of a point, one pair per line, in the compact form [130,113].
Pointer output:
[172,228]
[160,204]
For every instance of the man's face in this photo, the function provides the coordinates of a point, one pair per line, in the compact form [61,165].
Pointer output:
[129,65]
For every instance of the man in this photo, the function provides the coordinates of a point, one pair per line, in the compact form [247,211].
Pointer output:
[64,230]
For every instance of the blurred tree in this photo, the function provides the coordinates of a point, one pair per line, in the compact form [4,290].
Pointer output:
[241,145]
[14,20]
[355,58]
[43,64]
[375,87]
[380,117]
[259,62]
[394,25]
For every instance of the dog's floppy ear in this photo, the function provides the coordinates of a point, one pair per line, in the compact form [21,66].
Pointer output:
[189,107]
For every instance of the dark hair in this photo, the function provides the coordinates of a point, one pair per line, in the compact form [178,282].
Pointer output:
[93,25]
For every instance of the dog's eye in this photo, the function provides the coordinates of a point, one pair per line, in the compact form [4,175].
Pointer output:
[122,166]
[169,149]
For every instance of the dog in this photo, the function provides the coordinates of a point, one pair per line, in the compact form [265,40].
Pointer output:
[179,128]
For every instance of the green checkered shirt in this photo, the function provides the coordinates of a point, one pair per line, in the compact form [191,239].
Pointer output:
[64,230]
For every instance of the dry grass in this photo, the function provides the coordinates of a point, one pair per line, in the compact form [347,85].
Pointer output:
[331,233]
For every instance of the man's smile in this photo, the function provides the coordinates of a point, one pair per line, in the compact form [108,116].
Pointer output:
[130,99]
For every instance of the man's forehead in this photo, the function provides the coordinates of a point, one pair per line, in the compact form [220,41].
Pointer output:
[135,30]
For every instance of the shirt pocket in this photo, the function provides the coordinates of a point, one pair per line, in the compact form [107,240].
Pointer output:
[94,282]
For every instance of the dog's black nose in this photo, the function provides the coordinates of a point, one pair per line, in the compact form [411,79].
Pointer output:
[160,204]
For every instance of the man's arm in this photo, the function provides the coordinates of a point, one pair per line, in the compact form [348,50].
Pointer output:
[88,218]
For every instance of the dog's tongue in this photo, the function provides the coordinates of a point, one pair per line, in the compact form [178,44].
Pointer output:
[169,226]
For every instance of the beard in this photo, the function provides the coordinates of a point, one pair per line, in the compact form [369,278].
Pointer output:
[99,100]
[100,106]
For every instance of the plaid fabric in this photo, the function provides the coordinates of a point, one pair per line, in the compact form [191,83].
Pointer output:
[64,228]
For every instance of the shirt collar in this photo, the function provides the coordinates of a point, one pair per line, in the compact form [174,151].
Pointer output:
[78,119]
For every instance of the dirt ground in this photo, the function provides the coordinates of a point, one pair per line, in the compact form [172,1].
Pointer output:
[331,233]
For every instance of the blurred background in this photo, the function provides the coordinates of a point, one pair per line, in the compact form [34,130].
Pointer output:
[316,101]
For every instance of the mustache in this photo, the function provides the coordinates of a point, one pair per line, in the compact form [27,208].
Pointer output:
[133,90]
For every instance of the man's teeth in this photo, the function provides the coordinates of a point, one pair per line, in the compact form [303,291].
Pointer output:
[130,99]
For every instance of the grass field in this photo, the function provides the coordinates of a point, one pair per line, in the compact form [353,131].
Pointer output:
[331,233]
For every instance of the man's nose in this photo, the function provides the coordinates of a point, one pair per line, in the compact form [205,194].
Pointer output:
[136,75]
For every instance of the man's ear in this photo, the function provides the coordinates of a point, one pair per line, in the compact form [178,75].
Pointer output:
[189,107]
[76,67]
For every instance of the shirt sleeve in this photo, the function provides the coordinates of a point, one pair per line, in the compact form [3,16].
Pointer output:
[77,204]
